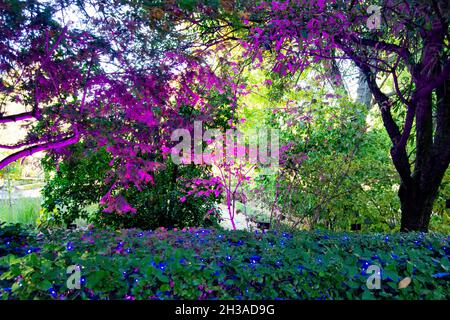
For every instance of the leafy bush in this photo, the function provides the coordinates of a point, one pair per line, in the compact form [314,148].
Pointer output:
[209,264]
[160,205]
[337,171]
[73,185]
[81,181]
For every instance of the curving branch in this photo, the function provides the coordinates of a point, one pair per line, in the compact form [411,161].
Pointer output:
[64,142]
[18,117]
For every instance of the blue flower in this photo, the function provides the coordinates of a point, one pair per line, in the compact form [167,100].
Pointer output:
[255,259]
[216,274]
[52,292]
[69,246]
[441,275]
[162,266]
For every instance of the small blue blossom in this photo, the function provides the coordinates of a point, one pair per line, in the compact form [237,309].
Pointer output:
[162,266]
[52,292]
[255,259]
[441,275]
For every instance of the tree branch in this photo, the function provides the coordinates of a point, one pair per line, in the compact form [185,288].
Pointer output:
[40,147]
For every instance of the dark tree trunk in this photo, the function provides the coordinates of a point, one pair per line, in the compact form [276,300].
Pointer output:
[416,207]
[417,194]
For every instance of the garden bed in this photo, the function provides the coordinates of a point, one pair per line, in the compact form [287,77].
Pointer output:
[214,264]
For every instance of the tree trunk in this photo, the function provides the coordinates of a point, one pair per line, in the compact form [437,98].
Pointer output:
[416,207]
[418,194]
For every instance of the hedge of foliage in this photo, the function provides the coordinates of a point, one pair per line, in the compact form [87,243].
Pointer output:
[81,181]
[213,264]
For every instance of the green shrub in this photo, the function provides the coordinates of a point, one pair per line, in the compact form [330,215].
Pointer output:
[159,205]
[79,183]
[73,185]
[210,264]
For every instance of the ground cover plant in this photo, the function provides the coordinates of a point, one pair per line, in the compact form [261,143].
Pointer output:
[197,263]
